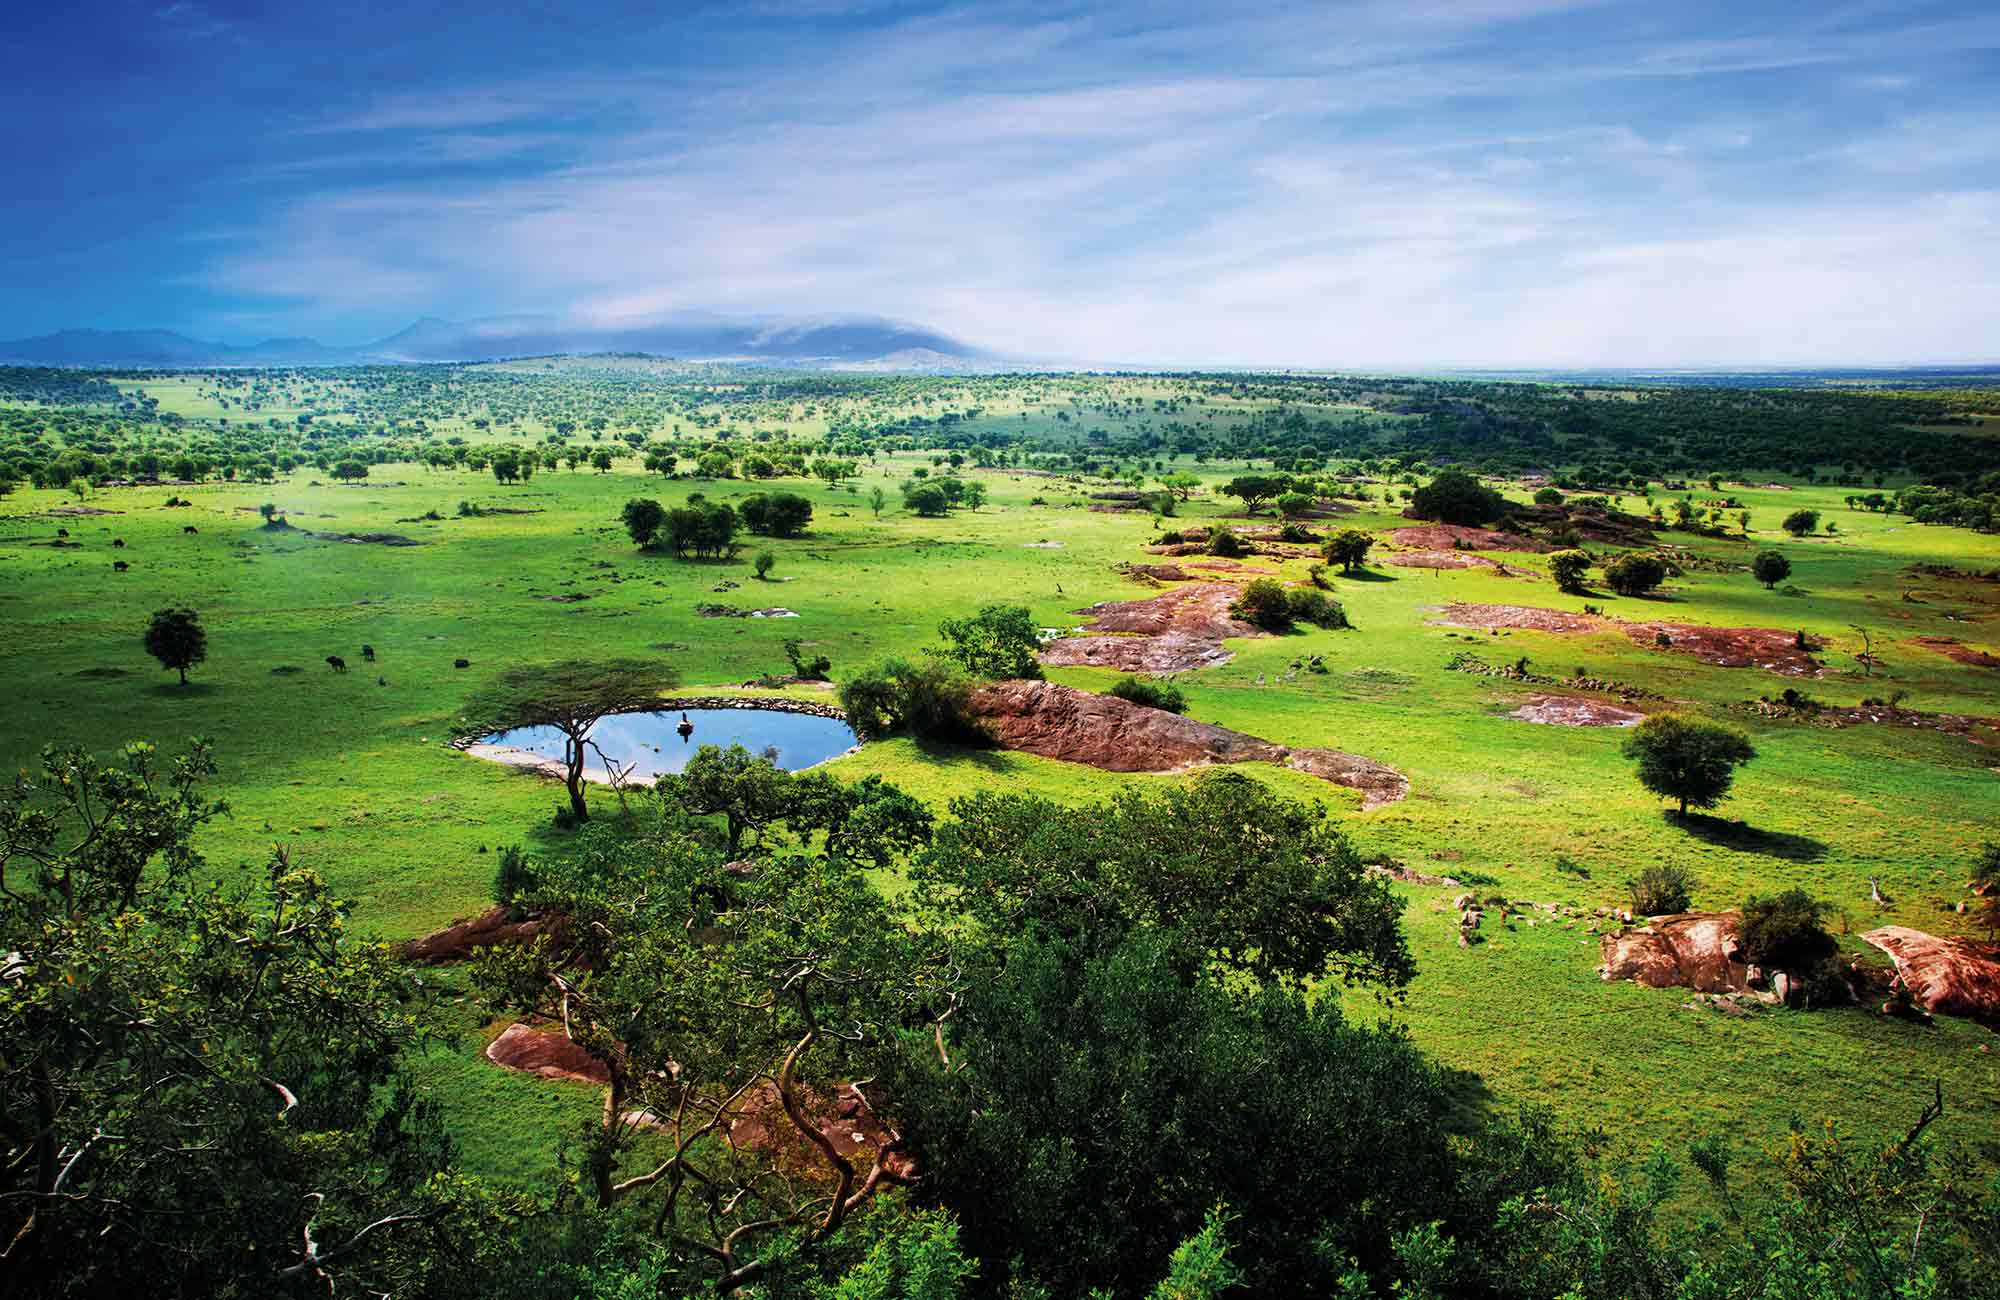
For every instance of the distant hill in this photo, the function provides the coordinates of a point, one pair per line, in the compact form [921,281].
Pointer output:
[845,341]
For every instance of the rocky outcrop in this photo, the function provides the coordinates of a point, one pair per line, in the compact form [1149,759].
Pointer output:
[1117,735]
[1177,629]
[1953,977]
[546,1054]
[456,942]
[1702,951]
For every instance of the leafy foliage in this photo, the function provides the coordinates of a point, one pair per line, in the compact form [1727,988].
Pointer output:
[1686,758]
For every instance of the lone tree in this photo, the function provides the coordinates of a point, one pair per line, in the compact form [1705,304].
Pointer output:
[1000,643]
[177,639]
[1771,568]
[1455,497]
[1636,573]
[643,518]
[1800,522]
[571,696]
[1254,490]
[1686,758]
[1348,548]
[1568,569]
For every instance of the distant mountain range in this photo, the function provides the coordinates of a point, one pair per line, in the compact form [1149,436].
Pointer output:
[863,342]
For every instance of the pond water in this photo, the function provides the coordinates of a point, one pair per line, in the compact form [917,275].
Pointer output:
[655,743]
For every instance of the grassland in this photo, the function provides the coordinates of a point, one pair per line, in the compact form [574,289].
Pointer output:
[352,770]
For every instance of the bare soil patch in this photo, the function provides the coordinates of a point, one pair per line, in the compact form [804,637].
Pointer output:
[1456,537]
[1521,618]
[1454,560]
[1731,647]
[1182,628]
[1117,735]
[1575,711]
[1954,977]
[1769,648]
[364,539]
[1957,651]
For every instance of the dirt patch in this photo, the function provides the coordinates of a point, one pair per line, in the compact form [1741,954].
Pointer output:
[73,512]
[1454,560]
[545,1054]
[1957,651]
[1697,950]
[364,539]
[1575,711]
[1182,628]
[1522,618]
[1725,647]
[1117,735]
[457,941]
[1160,572]
[1456,537]
[1730,647]
[1954,977]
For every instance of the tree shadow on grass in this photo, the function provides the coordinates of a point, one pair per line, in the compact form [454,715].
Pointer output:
[942,752]
[1745,838]
[1370,575]
[176,691]
[1472,1101]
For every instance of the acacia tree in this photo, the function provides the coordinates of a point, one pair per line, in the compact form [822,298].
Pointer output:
[199,1084]
[1001,642]
[1687,758]
[571,696]
[1568,568]
[1348,548]
[177,639]
[1255,489]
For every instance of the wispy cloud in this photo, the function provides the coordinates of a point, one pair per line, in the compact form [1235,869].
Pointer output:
[1375,182]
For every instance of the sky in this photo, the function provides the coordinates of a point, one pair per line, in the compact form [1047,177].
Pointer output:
[1355,183]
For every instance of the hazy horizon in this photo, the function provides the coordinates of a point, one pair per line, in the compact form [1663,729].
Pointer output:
[1507,184]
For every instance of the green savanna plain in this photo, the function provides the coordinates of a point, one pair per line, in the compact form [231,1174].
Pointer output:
[353,772]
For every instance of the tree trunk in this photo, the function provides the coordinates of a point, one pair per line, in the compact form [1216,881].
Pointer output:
[574,779]
[1684,806]
[184,676]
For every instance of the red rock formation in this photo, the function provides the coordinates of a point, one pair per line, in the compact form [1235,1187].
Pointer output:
[1117,735]
[1953,977]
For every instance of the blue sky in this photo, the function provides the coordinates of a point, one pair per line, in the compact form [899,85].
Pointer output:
[1537,182]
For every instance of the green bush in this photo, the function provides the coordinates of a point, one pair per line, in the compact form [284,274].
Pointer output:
[1154,695]
[1265,603]
[513,876]
[1310,605]
[1227,544]
[1661,890]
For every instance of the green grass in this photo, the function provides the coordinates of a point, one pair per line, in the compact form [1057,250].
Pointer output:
[354,773]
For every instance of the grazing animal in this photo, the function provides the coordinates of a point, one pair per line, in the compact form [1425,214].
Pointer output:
[189,530]
[118,542]
[381,681]
[368,653]
[461,663]
[336,663]
[62,532]
[119,566]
